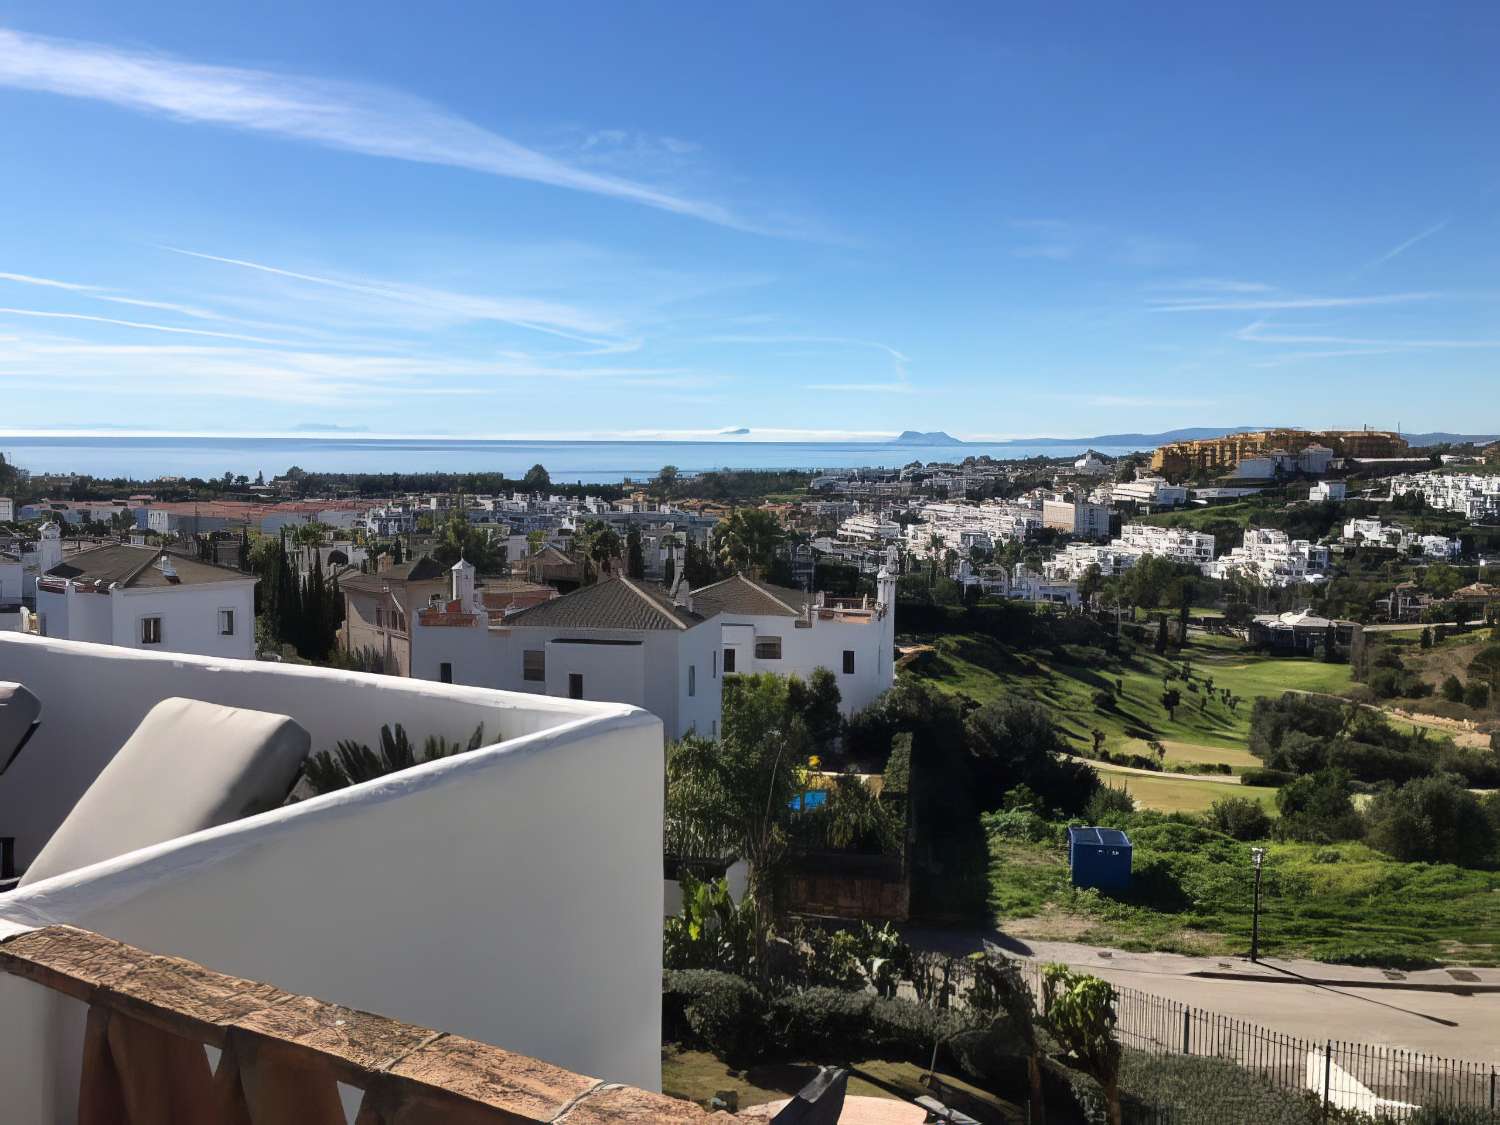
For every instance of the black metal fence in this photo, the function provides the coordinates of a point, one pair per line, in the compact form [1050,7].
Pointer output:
[1367,1078]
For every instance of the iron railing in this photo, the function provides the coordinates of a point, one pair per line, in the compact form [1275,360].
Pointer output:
[1373,1079]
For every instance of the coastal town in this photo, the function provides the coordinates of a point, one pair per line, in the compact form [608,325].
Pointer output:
[667,564]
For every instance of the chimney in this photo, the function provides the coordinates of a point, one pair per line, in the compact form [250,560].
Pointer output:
[169,572]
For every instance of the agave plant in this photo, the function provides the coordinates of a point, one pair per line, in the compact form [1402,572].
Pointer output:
[351,762]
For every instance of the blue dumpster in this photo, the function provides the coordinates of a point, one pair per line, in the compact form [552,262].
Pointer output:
[1099,857]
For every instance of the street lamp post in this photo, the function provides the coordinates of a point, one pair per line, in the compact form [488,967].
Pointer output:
[1257,857]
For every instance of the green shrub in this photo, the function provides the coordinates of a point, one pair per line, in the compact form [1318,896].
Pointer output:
[1271,778]
[720,1012]
[1243,818]
[1432,819]
[1326,855]
[1453,689]
[1108,802]
[898,767]
[1190,1089]
[1477,695]
[1318,809]
[810,1022]
[1018,824]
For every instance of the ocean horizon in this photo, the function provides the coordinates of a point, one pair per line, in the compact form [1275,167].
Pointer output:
[145,457]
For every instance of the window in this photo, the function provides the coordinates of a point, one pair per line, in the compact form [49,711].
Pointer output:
[728,661]
[575,685]
[534,665]
[768,648]
[151,630]
[848,662]
[226,622]
[692,679]
[445,673]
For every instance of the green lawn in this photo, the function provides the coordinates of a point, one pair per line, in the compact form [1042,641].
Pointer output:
[1167,793]
[1192,894]
[980,667]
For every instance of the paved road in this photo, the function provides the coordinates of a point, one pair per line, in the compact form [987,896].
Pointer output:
[1438,1023]
[1414,626]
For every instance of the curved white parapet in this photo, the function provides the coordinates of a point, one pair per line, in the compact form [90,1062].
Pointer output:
[512,894]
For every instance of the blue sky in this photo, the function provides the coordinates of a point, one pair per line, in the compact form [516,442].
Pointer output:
[672,220]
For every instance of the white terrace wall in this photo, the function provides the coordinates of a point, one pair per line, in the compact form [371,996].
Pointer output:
[93,696]
[513,894]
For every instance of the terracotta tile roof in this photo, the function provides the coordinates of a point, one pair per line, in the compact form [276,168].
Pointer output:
[424,569]
[615,603]
[746,596]
[136,568]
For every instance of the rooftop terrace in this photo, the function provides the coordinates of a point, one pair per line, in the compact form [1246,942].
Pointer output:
[511,895]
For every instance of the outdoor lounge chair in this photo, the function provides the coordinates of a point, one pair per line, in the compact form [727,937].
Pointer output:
[18,720]
[190,765]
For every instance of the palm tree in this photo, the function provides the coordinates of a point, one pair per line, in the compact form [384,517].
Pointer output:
[747,539]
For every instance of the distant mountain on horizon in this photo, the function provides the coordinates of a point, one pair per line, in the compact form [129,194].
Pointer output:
[1194,433]
[1190,433]
[931,437]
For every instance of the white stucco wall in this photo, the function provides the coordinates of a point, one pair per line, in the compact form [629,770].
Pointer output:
[649,672]
[12,580]
[803,650]
[189,614]
[513,894]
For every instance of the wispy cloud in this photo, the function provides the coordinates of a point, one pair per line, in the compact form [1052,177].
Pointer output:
[899,361]
[46,315]
[305,376]
[163,306]
[1168,304]
[46,282]
[1260,332]
[1402,248]
[352,117]
[550,317]
[1318,346]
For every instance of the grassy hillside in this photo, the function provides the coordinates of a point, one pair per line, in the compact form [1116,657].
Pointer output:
[1341,902]
[1171,793]
[1200,731]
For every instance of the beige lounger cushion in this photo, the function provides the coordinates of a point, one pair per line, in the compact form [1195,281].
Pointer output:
[189,765]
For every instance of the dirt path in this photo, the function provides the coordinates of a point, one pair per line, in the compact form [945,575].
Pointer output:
[1110,767]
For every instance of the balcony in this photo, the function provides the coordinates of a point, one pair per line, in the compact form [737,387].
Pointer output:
[511,895]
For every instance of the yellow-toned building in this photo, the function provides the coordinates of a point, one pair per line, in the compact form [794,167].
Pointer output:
[1209,456]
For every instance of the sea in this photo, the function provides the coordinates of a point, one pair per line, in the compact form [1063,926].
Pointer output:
[145,457]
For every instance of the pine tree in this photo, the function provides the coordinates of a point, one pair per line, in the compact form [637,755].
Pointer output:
[635,558]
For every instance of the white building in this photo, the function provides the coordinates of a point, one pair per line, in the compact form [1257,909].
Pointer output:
[139,597]
[619,641]
[1327,490]
[1152,492]
[1092,464]
[869,527]
[768,628]
[1475,495]
[1373,532]
[1271,558]
[7,510]
[1136,541]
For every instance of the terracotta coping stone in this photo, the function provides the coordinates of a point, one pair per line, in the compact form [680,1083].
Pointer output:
[401,1061]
